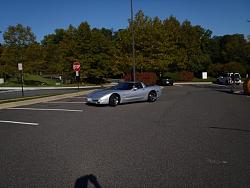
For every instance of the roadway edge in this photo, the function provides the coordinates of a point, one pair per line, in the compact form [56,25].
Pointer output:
[41,100]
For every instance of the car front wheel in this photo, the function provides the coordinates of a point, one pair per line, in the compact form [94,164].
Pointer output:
[114,100]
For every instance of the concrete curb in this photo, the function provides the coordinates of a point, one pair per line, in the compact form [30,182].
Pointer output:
[192,83]
[44,99]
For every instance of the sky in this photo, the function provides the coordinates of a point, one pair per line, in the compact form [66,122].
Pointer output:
[44,16]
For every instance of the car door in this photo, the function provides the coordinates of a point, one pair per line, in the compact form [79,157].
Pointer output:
[138,92]
[135,93]
[128,94]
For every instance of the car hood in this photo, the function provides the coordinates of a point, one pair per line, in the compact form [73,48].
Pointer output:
[100,93]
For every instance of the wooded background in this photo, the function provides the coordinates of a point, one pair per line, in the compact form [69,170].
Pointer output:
[161,46]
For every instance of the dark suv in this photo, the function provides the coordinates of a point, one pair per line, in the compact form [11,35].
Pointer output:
[166,81]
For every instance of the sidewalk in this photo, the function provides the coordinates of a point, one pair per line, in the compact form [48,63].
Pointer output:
[48,88]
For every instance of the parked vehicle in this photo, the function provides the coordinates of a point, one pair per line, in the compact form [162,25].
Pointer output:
[124,92]
[229,78]
[237,78]
[166,81]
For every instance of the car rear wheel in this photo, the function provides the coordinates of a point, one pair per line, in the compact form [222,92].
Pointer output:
[152,96]
[114,100]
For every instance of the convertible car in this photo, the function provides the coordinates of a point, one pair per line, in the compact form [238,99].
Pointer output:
[124,92]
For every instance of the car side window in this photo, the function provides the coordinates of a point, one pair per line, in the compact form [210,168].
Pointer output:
[138,85]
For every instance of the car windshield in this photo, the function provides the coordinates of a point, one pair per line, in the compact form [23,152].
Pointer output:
[236,75]
[123,86]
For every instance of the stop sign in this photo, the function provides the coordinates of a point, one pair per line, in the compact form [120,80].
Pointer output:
[76,66]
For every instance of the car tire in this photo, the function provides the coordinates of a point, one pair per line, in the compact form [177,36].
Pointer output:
[114,100]
[152,96]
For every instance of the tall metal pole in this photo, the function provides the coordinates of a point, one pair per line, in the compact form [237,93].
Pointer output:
[133,38]
[22,82]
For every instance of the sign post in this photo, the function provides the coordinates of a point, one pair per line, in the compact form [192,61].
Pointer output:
[77,79]
[76,68]
[20,68]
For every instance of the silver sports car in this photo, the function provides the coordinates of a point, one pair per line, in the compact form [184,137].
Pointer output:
[124,92]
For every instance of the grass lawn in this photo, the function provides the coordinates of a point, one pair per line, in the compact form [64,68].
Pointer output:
[29,80]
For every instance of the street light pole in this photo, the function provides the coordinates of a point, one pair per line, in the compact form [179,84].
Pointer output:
[133,38]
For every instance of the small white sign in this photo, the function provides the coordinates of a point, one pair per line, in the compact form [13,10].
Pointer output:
[20,66]
[1,80]
[204,75]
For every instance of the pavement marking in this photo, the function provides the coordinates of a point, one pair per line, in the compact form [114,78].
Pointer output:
[178,85]
[219,85]
[78,97]
[45,109]
[213,161]
[66,102]
[18,122]
[238,92]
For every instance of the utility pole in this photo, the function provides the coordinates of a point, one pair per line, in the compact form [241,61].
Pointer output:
[133,38]
[0,42]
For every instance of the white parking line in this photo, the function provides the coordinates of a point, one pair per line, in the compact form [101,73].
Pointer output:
[178,85]
[45,109]
[66,102]
[238,92]
[17,122]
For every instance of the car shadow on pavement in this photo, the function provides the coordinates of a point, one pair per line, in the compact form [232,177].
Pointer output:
[232,92]
[122,104]
[96,105]
[230,129]
[83,181]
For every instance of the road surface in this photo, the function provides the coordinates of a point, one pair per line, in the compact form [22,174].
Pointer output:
[194,136]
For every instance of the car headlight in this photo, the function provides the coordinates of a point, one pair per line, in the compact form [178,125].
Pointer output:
[104,98]
[88,99]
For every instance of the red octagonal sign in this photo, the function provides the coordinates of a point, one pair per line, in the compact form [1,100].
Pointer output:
[76,66]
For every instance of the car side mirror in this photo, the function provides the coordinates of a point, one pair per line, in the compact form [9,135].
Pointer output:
[134,89]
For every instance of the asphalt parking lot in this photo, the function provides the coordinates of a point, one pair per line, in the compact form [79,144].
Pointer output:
[194,136]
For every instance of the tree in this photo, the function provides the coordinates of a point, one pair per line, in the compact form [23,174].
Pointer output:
[230,51]
[16,40]
[102,52]
[54,38]
[54,62]
[18,36]
[2,65]
[34,58]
